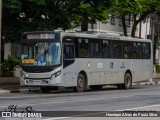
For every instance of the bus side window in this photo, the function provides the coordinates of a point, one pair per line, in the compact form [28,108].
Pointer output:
[117,49]
[146,50]
[128,50]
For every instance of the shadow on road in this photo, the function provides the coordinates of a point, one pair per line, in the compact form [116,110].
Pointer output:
[70,90]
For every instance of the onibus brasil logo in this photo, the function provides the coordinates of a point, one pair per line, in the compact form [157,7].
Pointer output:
[14,111]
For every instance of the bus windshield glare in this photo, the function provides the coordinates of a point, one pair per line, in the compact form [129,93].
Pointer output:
[41,54]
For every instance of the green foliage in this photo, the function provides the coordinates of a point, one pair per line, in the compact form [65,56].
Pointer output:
[123,7]
[93,12]
[8,65]
[150,5]
[157,68]
[31,15]
[11,6]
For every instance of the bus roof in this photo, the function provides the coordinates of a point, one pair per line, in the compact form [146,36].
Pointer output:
[113,36]
[91,34]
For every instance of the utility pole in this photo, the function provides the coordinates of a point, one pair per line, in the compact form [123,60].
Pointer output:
[0,34]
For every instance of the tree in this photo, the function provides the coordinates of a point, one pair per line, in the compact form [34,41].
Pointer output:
[10,11]
[122,8]
[30,15]
[92,10]
[147,7]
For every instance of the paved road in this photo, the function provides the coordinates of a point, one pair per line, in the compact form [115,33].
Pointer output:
[139,98]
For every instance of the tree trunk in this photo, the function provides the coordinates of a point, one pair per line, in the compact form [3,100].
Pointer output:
[134,28]
[124,25]
[136,22]
[84,25]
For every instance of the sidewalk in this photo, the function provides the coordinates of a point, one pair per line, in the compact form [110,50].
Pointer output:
[156,78]
[11,85]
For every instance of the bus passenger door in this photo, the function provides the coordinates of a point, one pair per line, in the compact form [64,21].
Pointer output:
[68,64]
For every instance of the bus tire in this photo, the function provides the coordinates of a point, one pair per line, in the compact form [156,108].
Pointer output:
[81,84]
[127,81]
[96,87]
[45,89]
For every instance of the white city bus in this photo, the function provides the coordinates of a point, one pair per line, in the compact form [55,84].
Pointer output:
[83,60]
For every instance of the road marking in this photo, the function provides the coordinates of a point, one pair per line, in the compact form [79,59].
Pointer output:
[158,105]
[71,101]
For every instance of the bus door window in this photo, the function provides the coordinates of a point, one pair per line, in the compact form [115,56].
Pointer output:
[68,51]
[68,54]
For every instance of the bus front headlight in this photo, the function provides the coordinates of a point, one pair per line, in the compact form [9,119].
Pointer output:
[22,76]
[55,75]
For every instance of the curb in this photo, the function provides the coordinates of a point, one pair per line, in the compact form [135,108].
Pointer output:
[19,91]
[4,92]
[147,83]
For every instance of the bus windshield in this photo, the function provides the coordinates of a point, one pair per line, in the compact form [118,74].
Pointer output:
[41,54]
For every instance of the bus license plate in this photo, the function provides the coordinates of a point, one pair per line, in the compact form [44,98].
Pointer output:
[37,81]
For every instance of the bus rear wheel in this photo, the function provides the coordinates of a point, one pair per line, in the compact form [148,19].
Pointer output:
[127,81]
[81,83]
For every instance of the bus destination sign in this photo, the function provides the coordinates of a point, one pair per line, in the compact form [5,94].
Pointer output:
[41,36]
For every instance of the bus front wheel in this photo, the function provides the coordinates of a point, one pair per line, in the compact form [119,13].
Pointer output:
[81,83]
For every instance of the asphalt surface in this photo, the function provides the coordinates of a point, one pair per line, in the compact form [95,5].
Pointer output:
[88,104]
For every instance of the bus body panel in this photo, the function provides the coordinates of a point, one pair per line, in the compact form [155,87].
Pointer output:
[95,69]
[69,75]
[108,72]
[83,64]
[147,69]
